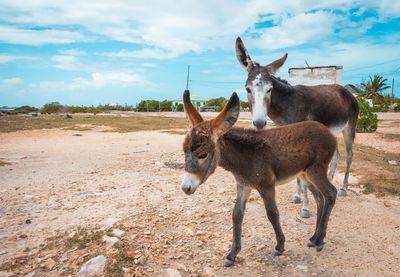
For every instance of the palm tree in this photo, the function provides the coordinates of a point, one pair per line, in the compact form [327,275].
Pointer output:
[374,86]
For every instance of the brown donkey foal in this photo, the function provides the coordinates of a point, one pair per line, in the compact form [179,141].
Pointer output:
[260,160]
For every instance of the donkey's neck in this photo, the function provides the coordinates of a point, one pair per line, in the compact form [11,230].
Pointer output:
[282,103]
[238,147]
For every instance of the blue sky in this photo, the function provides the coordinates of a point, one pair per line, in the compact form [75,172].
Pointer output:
[97,52]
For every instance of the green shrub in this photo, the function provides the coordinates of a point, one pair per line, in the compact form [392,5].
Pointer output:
[26,109]
[367,120]
[53,107]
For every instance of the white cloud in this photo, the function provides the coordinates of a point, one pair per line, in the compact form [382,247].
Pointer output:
[66,62]
[97,80]
[296,30]
[15,35]
[7,58]
[72,52]
[146,53]
[149,65]
[156,24]
[10,83]
[166,29]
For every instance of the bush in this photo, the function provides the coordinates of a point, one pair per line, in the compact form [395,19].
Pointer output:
[26,109]
[53,107]
[367,120]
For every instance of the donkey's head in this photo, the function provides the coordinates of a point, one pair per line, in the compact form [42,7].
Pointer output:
[259,85]
[201,143]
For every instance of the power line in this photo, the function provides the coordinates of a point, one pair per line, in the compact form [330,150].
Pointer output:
[217,82]
[372,65]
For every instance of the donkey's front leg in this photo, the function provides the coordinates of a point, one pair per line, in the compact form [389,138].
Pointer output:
[243,193]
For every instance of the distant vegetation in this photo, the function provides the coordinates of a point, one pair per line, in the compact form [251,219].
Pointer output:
[367,120]
[143,106]
[56,107]
[374,89]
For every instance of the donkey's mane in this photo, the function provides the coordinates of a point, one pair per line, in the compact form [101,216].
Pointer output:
[245,137]
[282,80]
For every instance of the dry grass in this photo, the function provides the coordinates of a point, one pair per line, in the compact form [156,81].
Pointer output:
[82,238]
[3,163]
[373,169]
[132,123]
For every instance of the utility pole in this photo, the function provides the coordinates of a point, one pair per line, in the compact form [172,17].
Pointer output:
[187,78]
[159,107]
[147,106]
[392,91]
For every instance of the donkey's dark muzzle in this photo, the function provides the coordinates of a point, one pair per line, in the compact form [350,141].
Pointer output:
[259,124]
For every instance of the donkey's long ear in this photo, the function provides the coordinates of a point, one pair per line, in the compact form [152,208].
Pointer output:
[242,55]
[274,66]
[227,117]
[192,113]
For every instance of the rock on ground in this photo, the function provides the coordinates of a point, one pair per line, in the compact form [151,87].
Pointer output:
[93,267]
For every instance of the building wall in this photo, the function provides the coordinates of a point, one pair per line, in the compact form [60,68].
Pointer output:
[316,75]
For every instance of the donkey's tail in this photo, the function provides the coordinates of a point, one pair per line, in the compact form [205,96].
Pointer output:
[353,114]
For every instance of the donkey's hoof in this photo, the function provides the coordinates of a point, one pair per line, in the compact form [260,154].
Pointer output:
[342,193]
[296,199]
[277,253]
[310,244]
[317,247]
[305,213]
[228,263]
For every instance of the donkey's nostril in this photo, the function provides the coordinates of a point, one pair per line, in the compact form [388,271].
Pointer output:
[259,124]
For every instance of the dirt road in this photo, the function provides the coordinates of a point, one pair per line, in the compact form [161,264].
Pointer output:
[59,180]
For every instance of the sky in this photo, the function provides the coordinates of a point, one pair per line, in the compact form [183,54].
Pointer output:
[106,52]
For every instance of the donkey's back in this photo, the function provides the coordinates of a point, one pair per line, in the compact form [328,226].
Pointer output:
[286,151]
[332,105]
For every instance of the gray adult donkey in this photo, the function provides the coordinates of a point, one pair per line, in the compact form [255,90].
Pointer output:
[332,105]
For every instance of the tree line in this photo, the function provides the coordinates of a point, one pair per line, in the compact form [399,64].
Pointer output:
[374,88]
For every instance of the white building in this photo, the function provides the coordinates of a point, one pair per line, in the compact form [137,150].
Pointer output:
[316,75]
[197,101]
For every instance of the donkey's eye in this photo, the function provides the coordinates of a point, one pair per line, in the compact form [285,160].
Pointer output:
[268,91]
[248,90]
[203,156]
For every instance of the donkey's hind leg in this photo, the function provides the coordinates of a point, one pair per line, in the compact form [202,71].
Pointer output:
[348,142]
[243,193]
[328,191]
[333,165]
[296,199]
[305,210]
[319,199]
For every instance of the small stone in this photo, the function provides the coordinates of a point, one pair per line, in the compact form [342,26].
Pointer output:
[189,232]
[23,236]
[49,264]
[93,267]
[172,272]
[110,241]
[30,274]
[28,221]
[7,273]
[27,197]
[150,269]
[181,266]
[147,232]
[386,203]
[302,267]
[118,232]
[209,272]
[393,162]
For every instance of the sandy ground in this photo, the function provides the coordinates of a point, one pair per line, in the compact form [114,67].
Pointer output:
[61,179]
